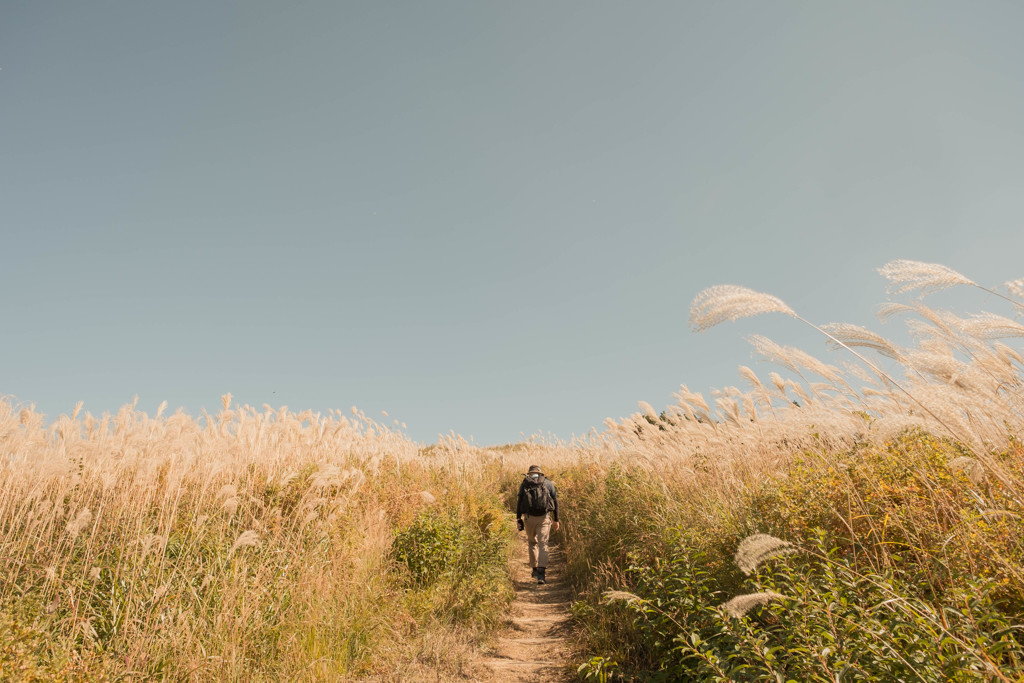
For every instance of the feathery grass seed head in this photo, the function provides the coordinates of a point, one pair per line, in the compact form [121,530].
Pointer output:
[717,304]
[741,604]
[755,549]
[245,540]
[855,335]
[621,596]
[906,276]
[972,469]
[79,522]
[991,326]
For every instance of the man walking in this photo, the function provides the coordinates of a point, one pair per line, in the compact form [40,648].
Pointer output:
[539,502]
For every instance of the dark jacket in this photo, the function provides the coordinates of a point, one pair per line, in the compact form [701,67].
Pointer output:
[521,505]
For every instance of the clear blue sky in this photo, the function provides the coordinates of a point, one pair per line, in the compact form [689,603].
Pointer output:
[482,216]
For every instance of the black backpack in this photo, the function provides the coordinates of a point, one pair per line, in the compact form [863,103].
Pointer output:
[538,496]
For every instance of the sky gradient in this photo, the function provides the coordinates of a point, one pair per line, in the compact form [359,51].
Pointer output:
[479,216]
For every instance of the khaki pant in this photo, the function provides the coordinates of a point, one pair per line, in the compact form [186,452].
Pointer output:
[537,529]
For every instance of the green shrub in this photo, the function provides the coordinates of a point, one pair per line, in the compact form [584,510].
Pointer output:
[456,563]
[901,506]
[821,621]
[428,546]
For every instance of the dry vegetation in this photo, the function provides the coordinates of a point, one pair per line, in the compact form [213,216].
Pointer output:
[247,544]
[880,493]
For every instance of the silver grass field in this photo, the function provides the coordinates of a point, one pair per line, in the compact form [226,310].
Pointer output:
[264,543]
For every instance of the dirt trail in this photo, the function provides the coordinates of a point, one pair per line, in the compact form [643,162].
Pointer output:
[533,649]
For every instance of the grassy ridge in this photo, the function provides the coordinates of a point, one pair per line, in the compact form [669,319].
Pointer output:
[823,524]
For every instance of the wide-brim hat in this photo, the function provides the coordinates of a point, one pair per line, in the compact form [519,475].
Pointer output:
[534,469]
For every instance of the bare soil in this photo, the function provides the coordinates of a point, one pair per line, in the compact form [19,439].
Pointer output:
[533,648]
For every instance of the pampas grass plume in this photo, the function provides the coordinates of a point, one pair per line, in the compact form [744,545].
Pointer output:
[1016,287]
[621,596]
[855,335]
[151,542]
[246,539]
[991,326]
[79,522]
[753,550]
[717,304]
[906,276]
[971,468]
[741,604]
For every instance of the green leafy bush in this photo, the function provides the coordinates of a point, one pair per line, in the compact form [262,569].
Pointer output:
[428,546]
[456,563]
[815,618]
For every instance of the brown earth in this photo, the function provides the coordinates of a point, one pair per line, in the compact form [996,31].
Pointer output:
[533,649]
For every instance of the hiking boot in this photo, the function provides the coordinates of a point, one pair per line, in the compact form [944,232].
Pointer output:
[533,573]
[540,575]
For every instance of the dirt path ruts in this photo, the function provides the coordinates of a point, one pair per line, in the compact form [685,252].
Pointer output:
[533,649]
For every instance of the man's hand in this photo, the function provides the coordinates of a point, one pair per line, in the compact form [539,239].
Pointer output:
[555,526]
[519,524]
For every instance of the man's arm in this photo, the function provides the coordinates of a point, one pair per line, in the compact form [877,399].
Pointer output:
[554,498]
[521,502]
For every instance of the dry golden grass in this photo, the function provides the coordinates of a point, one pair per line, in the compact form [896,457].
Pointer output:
[256,542]
[892,460]
[247,541]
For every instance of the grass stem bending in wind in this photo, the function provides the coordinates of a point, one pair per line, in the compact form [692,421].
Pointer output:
[720,303]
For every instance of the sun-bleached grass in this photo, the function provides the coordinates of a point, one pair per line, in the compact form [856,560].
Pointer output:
[722,303]
[755,549]
[261,542]
[907,276]
[738,606]
[249,542]
[909,459]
